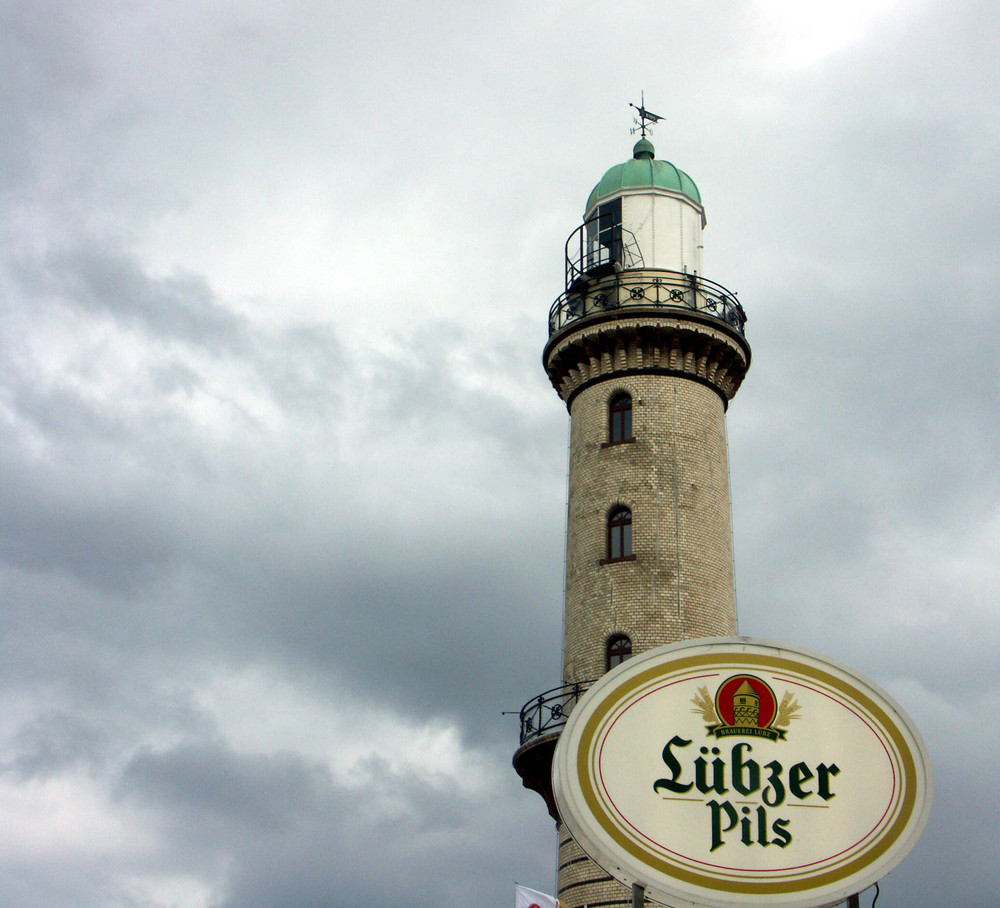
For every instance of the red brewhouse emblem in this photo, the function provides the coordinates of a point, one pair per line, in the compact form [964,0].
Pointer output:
[746,705]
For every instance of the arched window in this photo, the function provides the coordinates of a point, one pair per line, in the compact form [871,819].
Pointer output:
[619,534]
[620,418]
[619,649]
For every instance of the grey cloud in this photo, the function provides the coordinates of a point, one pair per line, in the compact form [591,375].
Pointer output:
[97,541]
[45,69]
[53,742]
[363,854]
[115,440]
[208,780]
[177,308]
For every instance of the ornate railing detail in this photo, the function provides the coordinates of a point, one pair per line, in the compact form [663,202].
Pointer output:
[647,287]
[549,711]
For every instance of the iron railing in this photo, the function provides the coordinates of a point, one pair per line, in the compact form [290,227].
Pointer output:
[648,288]
[591,250]
[549,711]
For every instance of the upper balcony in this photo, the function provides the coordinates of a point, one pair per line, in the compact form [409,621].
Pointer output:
[646,288]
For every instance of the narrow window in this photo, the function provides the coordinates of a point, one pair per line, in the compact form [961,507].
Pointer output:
[604,238]
[619,649]
[619,534]
[609,221]
[620,418]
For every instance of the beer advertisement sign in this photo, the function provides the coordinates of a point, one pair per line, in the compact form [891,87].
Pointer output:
[732,772]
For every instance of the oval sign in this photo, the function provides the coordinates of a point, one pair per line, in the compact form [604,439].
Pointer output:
[731,772]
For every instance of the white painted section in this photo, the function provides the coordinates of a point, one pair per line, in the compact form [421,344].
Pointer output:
[667,227]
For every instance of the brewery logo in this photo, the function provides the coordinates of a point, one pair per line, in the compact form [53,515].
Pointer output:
[746,705]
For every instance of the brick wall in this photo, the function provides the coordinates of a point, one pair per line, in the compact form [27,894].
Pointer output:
[674,477]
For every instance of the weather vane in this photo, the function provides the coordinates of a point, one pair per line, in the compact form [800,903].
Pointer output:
[644,115]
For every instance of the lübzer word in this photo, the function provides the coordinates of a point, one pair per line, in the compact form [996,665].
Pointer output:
[745,779]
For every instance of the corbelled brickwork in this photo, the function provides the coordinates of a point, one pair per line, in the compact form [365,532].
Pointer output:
[684,343]
[680,369]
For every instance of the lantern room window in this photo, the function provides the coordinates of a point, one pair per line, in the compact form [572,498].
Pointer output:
[609,221]
[604,238]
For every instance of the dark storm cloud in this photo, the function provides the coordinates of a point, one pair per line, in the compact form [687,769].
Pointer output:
[295,836]
[96,541]
[104,527]
[115,424]
[440,647]
[507,405]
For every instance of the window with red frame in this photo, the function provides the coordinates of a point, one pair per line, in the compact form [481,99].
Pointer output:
[619,534]
[620,418]
[619,649]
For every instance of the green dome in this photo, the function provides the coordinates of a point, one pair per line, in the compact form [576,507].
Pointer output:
[644,172]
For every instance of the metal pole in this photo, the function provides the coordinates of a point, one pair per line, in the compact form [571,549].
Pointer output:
[638,895]
[854,901]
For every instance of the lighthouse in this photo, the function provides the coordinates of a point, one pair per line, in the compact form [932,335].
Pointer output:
[646,353]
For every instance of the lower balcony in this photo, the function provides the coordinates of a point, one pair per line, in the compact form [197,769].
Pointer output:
[542,719]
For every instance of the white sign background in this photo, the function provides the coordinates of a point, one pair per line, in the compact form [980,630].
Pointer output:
[612,753]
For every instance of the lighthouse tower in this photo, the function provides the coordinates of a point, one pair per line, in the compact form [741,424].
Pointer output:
[646,353]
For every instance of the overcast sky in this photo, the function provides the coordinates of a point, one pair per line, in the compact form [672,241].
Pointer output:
[282,481]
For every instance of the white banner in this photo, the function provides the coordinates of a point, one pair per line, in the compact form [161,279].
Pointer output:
[529,898]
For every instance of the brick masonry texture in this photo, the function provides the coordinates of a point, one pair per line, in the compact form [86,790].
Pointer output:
[680,371]
[675,479]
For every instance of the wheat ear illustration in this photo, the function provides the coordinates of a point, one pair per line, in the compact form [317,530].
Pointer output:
[787,710]
[705,705]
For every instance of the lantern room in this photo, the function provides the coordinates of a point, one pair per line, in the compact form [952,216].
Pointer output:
[644,213]
[640,244]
